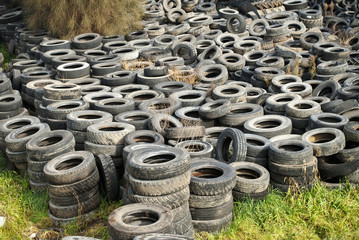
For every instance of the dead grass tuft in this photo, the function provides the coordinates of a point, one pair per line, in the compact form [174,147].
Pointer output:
[184,76]
[68,18]
[312,65]
[137,64]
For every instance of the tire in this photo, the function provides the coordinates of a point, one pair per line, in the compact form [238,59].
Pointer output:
[302,108]
[115,106]
[289,180]
[139,119]
[192,52]
[64,221]
[230,23]
[331,167]
[197,201]
[35,166]
[75,188]
[211,178]
[70,167]
[238,196]
[278,102]
[10,102]
[36,177]
[205,214]
[196,149]
[62,91]
[17,139]
[176,162]
[75,199]
[316,38]
[186,132]
[184,225]
[220,77]
[251,177]
[76,209]
[350,131]
[86,41]
[49,145]
[157,236]
[238,140]
[14,123]
[215,109]
[290,152]
[108,177]
[159,187]
[170,201]
[237,93]
[38,187]
[327,120]
[109,133]
[112,150]
[257,146]
[212,225]
[293,170]
[332,67]
[322,89]
[241,112]
[330,141]
[161,105]
[264,127]
[170,87]
[180,212]
[119,227]
[133,149]
[161,122]
[293,188]
[143,136]
[16,157]
[190,98]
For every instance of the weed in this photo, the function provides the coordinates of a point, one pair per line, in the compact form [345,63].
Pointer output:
[312,65]
[7,55]
[68,18]
[135,65]
[184,76]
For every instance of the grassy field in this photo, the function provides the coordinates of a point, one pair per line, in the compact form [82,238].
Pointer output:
[317,214]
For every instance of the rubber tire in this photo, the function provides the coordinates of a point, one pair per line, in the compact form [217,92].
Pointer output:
[239,143]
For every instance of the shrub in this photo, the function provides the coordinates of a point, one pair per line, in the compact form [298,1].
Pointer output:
[68,18]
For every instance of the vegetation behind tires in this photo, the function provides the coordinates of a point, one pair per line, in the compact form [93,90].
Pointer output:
[67,18]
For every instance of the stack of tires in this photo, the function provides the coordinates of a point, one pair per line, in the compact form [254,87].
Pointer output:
[41,149]
[257,149]
[115,106]
[59,94]
[109,179]
[11,105]
[292,165]
[16,143]
[6,127]
[164,184]
[211,200]
[77,123]
[108,138]
[252,181]
[72,181]
[136,219]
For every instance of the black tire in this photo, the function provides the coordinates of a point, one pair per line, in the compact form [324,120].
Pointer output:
[293,187]
[293,170]
[174,162]
[17,139]
[132,149]
[16,157]
[14,123]
[160,105]
[75,188]
[158,236]
[112,150]
[325,141]
[119,221]
[190,98]
[160,122]
[331,167]
[144,136]
[49,145]
[230,23]
[36,177]
[349,153]
[350,131]
[215,109]
[241,112]
[76,209]
[159,187]
[186,132]
[184,225]
[10,102]
[307,178]
[60,110]
[70,167]
[257,146]
[238,196]
[35,166]
[212,225]
[204,214]
[62,91]
[109,133]
[327,120]
[290,152]
[302,108]
[75,199]
[197,201]
[180,212]
[108,176]
[170,201]
[115,106]
[251,177]
[64,221]
[238,140]
[211,178]
[328,89]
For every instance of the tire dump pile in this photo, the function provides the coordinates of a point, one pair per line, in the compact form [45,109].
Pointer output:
[210,103]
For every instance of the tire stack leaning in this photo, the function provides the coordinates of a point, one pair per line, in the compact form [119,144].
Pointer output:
[164,184]
[72,181]
[42,149]
[211,200]
[16,143]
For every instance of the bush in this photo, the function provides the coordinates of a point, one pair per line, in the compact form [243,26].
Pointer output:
[68,18]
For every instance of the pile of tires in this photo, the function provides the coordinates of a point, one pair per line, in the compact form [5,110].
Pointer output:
[43,148]
[72,181]
[211,200]
[165,184]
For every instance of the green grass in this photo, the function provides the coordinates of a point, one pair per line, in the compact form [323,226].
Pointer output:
[6,54]
[317,214]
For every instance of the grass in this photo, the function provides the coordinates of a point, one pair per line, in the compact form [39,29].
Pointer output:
[6,54]
[317,214]
[68,18]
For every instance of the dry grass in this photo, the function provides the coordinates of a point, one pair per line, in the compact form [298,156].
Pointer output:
[184,76]
[312,65]
[137,64]
[296,69]
[68,18]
